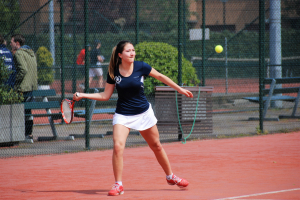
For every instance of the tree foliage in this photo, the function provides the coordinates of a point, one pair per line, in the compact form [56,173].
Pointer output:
[164,58]
[7,94]
[10,16]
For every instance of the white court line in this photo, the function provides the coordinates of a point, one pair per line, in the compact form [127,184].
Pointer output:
[258,194]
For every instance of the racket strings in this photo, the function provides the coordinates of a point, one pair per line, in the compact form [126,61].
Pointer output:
[67,110]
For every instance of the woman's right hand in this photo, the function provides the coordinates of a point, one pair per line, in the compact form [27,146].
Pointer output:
[77,96]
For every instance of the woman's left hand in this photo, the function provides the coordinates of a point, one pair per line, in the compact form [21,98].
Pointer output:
[185,92]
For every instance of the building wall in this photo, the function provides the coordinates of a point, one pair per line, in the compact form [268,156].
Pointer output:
[238,13]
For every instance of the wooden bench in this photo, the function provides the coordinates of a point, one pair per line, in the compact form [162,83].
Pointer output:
[271,97]
[47,105]
[166,111]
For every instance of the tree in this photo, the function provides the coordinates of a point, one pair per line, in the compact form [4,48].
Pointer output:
[10,16]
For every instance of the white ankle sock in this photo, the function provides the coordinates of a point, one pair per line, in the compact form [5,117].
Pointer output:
[119,182]
[169,176]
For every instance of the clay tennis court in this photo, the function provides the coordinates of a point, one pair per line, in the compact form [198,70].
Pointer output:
[257,167]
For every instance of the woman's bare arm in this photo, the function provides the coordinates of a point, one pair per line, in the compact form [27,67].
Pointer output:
[166,80]
[102,96]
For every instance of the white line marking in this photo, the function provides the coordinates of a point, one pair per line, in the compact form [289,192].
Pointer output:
[258,194]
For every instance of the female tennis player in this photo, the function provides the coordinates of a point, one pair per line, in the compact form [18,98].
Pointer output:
[133,111]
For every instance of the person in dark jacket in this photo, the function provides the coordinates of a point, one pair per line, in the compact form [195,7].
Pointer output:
[26,76]
[7,56]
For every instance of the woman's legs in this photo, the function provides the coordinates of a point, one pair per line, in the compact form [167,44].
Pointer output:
[151,136]
[120,134]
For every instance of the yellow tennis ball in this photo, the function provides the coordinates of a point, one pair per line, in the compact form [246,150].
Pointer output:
[219,49]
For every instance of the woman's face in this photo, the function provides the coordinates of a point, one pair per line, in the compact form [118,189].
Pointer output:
[128,53]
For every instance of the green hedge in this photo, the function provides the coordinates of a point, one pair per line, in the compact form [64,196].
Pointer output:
[44,64]
[164,58]
[7,94]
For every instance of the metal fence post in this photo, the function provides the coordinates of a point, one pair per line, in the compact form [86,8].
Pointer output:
[226,66]
[184,27]
[51,30]
[62,53]
[203,43]
[137,21]
[74,77]
[87,55]
[179,77]
[261,61]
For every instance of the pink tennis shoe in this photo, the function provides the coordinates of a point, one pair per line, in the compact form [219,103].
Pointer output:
[116,190]
[119,190]
[180,182]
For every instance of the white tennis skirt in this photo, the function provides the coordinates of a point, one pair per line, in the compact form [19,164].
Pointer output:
[138,122]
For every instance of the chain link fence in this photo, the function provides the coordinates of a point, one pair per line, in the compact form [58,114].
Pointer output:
[64,29]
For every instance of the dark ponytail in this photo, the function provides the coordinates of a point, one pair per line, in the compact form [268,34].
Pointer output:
[115,60]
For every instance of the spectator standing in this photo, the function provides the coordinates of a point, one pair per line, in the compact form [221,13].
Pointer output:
[96,60]
[81,62]
[26,75]
[8,61]
[80,57]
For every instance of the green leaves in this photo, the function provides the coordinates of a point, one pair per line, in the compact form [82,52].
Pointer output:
[164,58]
[44,63]
[7,94]
[4,72]
[9,10]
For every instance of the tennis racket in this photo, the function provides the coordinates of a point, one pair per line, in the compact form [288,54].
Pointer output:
[67,109]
